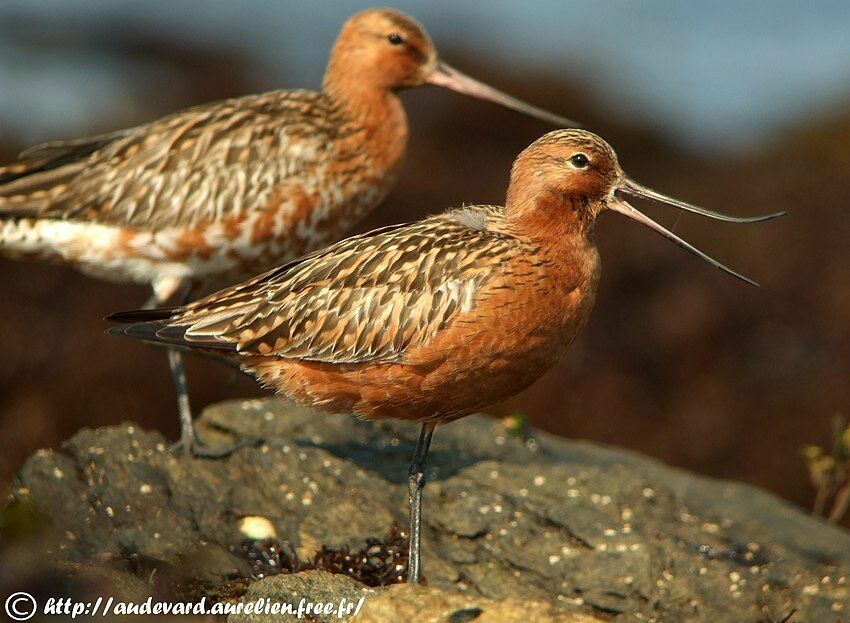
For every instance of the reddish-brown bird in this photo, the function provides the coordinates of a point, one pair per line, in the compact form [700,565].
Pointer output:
[226,190]
[433,320]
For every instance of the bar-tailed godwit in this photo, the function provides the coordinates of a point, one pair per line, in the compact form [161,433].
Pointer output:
[226,190]
[433,320]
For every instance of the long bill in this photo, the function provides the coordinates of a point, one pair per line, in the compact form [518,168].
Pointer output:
[623,207]
[630,187]
[447,76]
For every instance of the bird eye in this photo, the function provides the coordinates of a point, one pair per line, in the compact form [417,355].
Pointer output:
[395,39]
[579,161]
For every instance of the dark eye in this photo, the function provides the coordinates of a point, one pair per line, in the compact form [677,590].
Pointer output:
[579,161]
[395,39]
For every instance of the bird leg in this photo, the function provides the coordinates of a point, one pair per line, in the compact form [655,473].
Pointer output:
[189,442]
[415,484]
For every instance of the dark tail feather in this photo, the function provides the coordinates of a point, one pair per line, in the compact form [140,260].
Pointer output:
[29,194]
[55,155]
[59,152]
[141,315]
[142,330]
[152,333]
[151,325]
[30,184]
[147,324]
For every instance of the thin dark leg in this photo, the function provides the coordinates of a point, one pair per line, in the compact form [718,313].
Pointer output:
[415,484]
[189,442]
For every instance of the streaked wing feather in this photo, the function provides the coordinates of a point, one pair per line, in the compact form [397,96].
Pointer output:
[202,163]
[32,165]
[367,298]
[76,148]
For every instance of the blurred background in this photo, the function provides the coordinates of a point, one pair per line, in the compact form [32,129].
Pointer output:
[737,106]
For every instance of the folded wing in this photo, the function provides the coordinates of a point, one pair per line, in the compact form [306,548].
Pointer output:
[367,298]
[202,163]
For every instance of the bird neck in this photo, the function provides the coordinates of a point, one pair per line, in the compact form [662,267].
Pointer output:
[375,111]
[356,84]
[548,213]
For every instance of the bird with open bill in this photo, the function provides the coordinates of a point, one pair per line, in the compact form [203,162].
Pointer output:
[223,191]
[433,320]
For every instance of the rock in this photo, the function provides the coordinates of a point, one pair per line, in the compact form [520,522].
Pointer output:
[315,587]
[400,602]
[404,602]
[549,530]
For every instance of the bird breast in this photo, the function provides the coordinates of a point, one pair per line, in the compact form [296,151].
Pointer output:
[509,333]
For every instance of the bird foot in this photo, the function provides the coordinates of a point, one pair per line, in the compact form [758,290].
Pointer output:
[190,445]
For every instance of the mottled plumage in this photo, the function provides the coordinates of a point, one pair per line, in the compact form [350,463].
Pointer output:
[385,302]
[231,188]
[227,190]
[185,168]
[215,191]
[368,298]
[433,320]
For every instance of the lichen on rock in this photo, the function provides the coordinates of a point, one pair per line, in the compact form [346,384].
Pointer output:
[558,530]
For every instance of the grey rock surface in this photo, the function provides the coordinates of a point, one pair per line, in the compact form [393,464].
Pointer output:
[569,529]
[400,603]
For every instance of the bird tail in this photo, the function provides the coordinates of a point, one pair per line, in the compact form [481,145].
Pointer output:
[143,324]
[40,175]
[155,325]
[151,326]
[31,193]
[142,315]
[19,203]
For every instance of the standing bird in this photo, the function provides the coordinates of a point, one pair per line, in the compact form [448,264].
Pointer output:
[433,320]
[227,190]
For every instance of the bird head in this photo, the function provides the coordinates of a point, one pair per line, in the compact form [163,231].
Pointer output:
[385,49]
[578,172]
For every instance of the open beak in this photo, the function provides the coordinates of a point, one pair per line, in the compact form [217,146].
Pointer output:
[447,76]
[634,189]
[630,187]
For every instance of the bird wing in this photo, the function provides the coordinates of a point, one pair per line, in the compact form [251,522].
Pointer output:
[49,156]
[202,163]
[368,298]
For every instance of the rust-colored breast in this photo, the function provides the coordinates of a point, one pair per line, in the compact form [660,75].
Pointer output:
[515,331]
[430,320]
[525,308]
